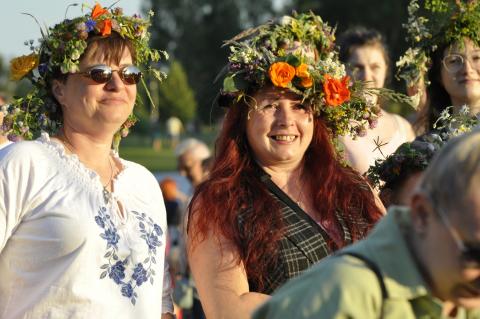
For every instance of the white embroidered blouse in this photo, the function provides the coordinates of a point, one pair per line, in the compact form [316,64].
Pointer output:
[64,252]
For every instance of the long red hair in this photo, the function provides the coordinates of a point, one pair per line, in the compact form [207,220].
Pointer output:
[233,187]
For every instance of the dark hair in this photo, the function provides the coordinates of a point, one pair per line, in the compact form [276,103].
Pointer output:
[359,37]
[234,186]
[437,97]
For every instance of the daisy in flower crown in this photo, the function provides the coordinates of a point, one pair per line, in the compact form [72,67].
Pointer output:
[58,54]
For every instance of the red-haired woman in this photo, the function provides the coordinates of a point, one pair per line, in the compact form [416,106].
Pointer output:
[277,199]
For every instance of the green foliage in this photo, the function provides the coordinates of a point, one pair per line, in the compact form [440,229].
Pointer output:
[192,31]
[176,97]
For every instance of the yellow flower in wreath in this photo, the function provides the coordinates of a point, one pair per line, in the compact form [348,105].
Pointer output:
[19,67]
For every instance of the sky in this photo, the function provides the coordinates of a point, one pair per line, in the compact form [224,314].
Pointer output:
[16,28]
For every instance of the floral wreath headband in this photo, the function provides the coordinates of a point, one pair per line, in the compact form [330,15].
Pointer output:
[59,52]
[432,25]
[415,156]
[298,53]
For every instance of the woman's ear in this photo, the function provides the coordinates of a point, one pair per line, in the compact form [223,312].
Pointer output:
[58,91]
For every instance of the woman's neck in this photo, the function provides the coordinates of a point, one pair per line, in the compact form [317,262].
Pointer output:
[92,151]
[474,105]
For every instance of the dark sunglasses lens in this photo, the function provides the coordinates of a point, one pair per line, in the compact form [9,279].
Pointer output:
[131,74]
[101,74]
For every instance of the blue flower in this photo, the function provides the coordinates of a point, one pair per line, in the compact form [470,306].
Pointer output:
[127,290]
[139,274]
[90,24]
[157,229]
[111,236]
[99,221]
[42,68]
[117,272]
[152,241]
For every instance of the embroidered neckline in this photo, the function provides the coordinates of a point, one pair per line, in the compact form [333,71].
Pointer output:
[82,173]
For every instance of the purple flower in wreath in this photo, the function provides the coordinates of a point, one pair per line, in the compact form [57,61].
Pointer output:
[117,272]
[90,24]
[127,290]
[139,274]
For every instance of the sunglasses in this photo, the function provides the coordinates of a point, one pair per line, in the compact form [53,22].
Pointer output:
[470,255]
[102,74]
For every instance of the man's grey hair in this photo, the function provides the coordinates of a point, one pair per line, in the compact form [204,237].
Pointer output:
[453,172]
[196,147]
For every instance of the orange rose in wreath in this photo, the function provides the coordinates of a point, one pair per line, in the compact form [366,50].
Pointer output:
[281,74]
[302,72]
[336,91]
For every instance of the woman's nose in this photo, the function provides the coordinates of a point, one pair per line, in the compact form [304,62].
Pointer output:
[284,115]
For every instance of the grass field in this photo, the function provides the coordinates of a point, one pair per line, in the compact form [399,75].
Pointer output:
[155,161]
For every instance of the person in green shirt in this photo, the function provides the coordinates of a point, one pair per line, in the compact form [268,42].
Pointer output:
[426,255]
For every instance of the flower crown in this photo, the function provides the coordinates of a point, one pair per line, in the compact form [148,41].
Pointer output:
[59,52]
[415,156]
[298,53]
[434,24]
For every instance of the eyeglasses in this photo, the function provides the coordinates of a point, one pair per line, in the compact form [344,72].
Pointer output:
[470,256]
[455,62]
[101,74]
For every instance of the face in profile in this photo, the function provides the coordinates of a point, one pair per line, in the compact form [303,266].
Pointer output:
[460,73]
[280,130]
[454,243]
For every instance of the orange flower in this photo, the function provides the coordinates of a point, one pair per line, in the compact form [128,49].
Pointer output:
[336,91]
[98,11]
[281,74]
[302,71]
[307,82]
[106,27]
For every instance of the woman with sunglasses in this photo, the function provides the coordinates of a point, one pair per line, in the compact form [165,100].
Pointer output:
[278,199]
[82,231]
[444,60]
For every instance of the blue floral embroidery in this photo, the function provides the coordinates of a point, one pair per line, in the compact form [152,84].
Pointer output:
[116,268]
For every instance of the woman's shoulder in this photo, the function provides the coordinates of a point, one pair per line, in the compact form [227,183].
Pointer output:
[23,151]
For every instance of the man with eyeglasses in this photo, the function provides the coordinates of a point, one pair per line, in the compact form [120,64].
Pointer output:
[421,261]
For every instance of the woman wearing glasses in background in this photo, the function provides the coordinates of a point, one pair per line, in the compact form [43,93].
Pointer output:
[445,55]
[82,231]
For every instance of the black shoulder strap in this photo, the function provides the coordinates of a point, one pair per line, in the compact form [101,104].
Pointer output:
[373,267]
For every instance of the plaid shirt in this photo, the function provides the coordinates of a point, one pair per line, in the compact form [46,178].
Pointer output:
[304,242]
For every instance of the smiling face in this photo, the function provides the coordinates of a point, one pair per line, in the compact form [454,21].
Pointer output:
[463,85]
[280,130]
[92,107]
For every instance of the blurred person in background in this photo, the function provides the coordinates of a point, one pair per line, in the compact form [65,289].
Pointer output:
[190,153]
[365,54]
[277,199]
[174,128]
[420,261]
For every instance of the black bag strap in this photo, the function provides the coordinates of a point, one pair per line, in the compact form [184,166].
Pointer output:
[373,267]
